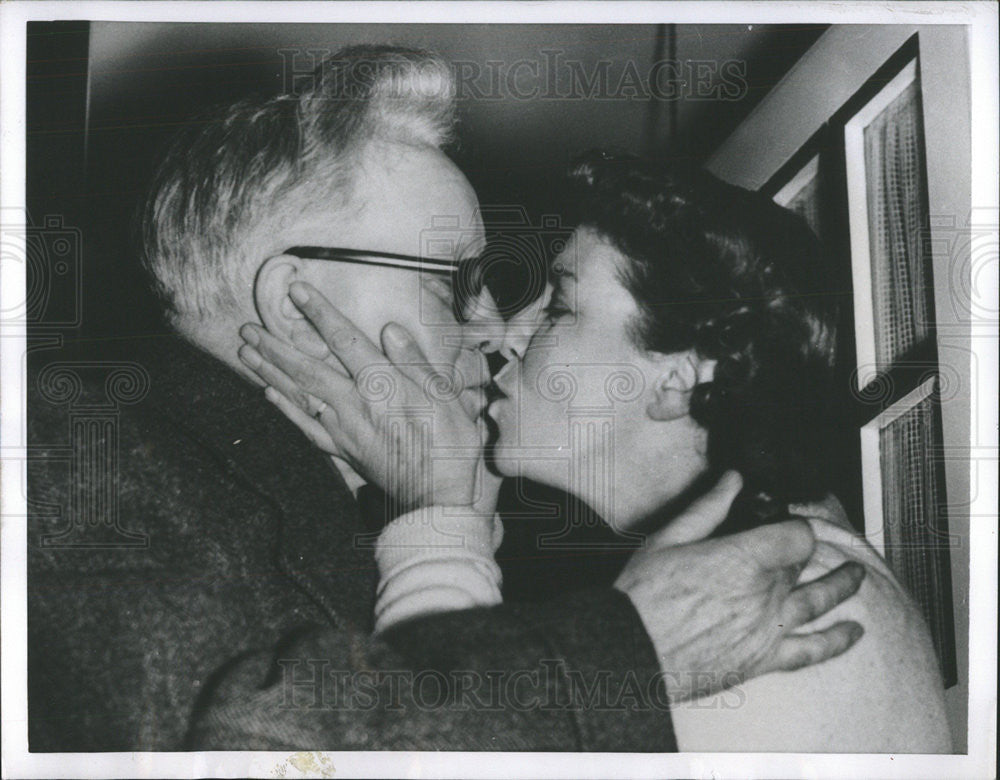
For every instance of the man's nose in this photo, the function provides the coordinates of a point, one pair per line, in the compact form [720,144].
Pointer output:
[518,332]
[483,328]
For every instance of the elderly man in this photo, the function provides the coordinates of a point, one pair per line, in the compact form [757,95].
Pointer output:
[234,534]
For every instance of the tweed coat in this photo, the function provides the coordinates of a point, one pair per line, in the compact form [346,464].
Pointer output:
[193,563]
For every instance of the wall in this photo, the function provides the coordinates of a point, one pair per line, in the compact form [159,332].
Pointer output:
[145,80]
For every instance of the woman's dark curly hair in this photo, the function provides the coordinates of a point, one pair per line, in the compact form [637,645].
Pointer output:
[742,281]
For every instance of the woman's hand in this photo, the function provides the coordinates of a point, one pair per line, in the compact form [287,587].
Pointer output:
[393,417]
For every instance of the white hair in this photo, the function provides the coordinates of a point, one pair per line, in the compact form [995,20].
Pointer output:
[223,177]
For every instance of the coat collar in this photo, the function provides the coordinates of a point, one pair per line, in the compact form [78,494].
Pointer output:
[319,521]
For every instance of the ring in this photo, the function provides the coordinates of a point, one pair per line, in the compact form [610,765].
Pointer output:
[323,406]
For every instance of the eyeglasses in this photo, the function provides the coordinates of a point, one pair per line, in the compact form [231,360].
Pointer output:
[385,259]
[466,275]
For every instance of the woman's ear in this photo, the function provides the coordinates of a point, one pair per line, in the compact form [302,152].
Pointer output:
[270,293]
[681,373]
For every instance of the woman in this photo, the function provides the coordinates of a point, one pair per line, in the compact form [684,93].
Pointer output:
[688,330]
[715,300]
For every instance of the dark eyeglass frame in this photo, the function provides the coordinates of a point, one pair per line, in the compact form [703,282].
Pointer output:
[467,276]
[384,259]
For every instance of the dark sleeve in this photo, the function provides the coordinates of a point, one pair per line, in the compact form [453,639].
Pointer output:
[577,674]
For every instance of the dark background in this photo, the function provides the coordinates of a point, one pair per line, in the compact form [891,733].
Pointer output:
[104,99]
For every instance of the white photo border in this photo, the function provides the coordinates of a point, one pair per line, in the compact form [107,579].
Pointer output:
[981,21]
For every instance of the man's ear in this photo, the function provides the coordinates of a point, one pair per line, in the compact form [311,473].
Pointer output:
[681,373]
[270,294]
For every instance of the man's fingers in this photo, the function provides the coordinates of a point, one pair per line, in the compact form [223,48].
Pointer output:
[305,338]
[311,375]
[704,515]
[272,376]
[352,347]
[807,602]
[797,651]
[404,352]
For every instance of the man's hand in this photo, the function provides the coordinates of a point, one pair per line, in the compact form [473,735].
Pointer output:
[388,412]
[724,610]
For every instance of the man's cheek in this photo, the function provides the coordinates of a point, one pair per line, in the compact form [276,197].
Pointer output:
[435,309]
[436,346]
[473,402]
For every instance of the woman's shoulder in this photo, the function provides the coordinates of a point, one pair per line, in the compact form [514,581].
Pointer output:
[882,695]
[882,598]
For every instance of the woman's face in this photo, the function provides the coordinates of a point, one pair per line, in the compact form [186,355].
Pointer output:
[576,412]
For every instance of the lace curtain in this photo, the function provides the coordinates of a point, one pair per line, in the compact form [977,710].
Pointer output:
[916,538]
[894,162]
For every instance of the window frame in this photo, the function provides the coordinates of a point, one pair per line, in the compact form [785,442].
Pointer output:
[858,219]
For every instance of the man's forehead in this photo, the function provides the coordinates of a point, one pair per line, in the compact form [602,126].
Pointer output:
[422,177]
[414,202]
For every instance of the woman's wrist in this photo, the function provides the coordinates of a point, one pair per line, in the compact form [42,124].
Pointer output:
[435,532]
[437,559]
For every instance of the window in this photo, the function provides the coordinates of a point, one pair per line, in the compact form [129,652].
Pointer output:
[901,444]
[887,197]
[904,507]
[861,184]
[888,107]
